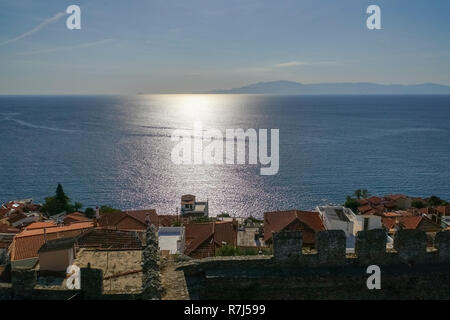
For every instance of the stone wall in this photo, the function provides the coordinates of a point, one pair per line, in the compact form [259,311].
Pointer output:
[408,272]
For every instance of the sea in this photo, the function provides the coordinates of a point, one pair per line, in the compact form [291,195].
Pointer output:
[116,150]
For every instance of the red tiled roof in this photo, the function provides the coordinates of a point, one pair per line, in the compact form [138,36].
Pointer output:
[167,220]
[395,196]
[278,220]
[364,209]
[375,200]
[75,217]
[404,222]
[40,225]
[16,216]
[113,219]
[27,243]
[362,202]
[219,232]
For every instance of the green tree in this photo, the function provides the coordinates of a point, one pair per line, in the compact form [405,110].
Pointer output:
[77,206]
[352,204]
[108,209]
[61,197]
[89,212]
[361,193]
[417,204]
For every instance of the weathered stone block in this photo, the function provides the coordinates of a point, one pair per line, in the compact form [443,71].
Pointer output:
[91,283]
[23,282]
[330,246]
[370,246]
[442,241]
[287,245]
[411,245]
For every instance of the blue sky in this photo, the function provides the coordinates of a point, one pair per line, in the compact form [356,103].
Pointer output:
[165,46]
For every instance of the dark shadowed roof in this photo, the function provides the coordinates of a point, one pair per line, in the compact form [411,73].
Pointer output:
[57,244]
[278,220]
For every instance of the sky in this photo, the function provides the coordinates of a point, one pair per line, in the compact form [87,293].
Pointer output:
[166,46]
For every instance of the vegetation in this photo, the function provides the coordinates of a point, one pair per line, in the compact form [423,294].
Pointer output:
[351,203]
[108,209]
[417,204]
[89,212]
[60,202]
[223,215]
[361,194]
[200,219]
[435,201]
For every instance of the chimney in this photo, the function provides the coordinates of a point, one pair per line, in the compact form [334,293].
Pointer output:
[45,235]
[97,213]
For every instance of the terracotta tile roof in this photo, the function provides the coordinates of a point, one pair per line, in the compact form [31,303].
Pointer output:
[219,232]
[110,239]
[375,200]
[27,243]
[404,222]
[395,196]
[16,216]
[364,209]
[443,210]
[278,220]
[196,234]
[75,217]
[362,202]
[168,220]
[40,225]
[112,219]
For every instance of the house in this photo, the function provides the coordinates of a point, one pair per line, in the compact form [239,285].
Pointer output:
[7,235]
[41,225]
[20,219]
[412,222]
[309,223]
[401,201]
[172,239]
[57,255]
[99,238]
[192,208]
[129,220]
[341,218]
[75,217]
[26,244]
[203,239]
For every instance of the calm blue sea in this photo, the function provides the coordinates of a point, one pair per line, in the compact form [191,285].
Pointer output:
[115,150]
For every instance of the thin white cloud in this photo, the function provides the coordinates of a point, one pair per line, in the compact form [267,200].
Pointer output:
[290,64]
[45,22]
[66,48]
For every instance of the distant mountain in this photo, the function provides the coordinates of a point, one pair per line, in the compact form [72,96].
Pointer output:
[291,87]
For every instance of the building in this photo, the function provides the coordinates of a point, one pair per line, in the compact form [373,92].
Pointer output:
[57,255]
[203,239]
[309,223]
[341,218]
[192,208]
[24,250]
[75,217]
[392,225]
[129,220]
[171,240]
